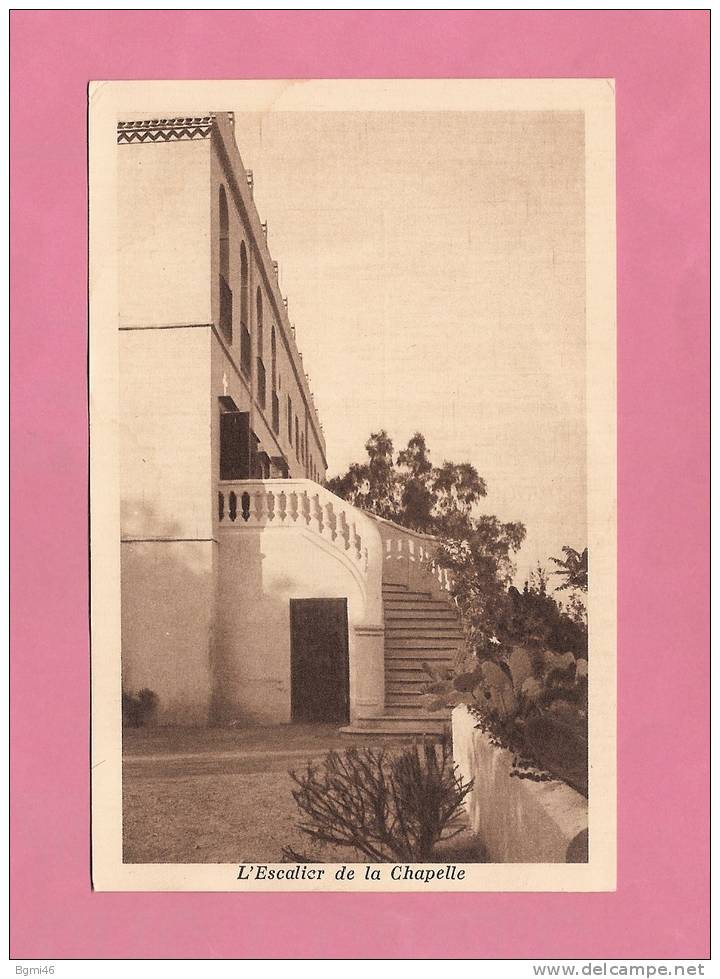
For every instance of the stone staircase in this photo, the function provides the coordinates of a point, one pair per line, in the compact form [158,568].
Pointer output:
[420,626]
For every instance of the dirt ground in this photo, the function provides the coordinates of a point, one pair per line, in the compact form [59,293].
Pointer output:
[221,795]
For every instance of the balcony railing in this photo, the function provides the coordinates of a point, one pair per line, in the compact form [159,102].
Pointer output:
[275,413]
[245,350]
[226,309]
[256,504]
[261,381]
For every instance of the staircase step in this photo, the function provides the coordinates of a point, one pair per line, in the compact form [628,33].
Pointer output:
[403,691]
[429,620]
[409,709]
[432,626]
[420,615]
[413,659]
[412,677]
[405,701]
[397,604]
[398,729]
[412,596]
[426,635]
[419,685]
[397,723]
[438,648]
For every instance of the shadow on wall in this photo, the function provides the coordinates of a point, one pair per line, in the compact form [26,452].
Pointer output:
[251,648]
[260,570]
[206,624]
[167,597]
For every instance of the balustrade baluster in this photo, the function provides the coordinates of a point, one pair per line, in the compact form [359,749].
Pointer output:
[345,530]
[259,497]
[245,504]
[271,506]
[221,506]
[318,512]
[232,509]
[294,506]
[331,520]
[305,506]
[282,506]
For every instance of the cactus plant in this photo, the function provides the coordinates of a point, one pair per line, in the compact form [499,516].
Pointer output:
[531,702]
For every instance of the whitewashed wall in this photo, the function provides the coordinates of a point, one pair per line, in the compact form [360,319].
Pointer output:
[517,819]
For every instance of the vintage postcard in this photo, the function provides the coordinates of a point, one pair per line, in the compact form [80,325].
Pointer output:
[353,485]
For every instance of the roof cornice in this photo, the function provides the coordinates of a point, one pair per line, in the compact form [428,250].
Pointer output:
[166,130]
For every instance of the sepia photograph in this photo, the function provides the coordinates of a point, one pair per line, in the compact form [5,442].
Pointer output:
[352,353]
[359,489]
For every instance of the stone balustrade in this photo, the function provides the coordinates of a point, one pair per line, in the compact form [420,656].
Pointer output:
[296,503]
[409,558]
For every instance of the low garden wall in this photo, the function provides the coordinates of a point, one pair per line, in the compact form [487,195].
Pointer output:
[517,819]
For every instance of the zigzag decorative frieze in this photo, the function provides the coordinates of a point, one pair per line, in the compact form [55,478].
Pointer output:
[166,130]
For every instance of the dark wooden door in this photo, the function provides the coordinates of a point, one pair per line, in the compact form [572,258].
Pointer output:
[319,660]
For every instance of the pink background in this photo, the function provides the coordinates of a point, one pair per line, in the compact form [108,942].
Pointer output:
[660,61]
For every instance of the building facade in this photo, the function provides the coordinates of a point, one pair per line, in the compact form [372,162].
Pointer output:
[249,592]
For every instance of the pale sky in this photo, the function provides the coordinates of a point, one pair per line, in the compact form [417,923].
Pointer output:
[434,264]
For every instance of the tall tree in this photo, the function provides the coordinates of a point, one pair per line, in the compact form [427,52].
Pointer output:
[415,473]
[371,485]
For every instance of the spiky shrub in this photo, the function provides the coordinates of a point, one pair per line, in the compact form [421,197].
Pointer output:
[386,806]
[138,709]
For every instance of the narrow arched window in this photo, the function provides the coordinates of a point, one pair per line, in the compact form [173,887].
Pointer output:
[260,342]
[273,381]
[273,356]
[244,283]
[226,297]
[245,342]
[261,392]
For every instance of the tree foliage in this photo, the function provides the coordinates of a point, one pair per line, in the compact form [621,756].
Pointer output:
[535,619]
[573,568]
[408,489]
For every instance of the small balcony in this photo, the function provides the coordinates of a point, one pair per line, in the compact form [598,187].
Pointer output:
[245,350]
[226,309]
[261,382]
